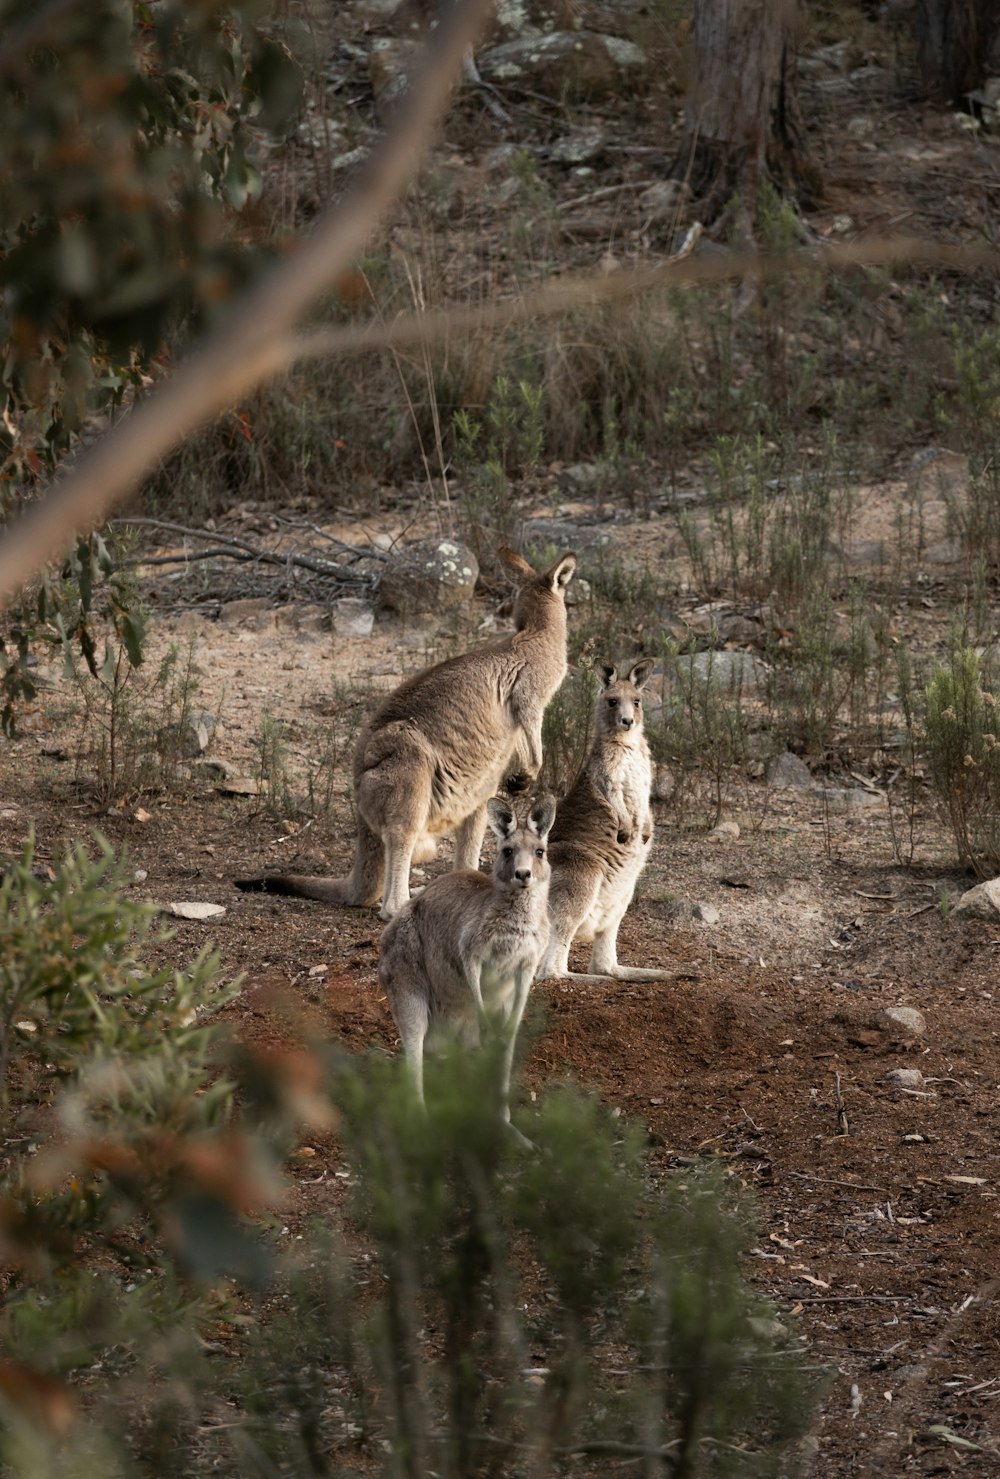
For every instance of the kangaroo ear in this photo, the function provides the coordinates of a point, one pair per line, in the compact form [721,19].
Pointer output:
[542,815]
[501,818]
[515,565]
[561,573]
[639,673]
[608,672]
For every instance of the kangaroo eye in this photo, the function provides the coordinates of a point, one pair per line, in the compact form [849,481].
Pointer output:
[612,703]
[637,702]
[508,852]
[539,852]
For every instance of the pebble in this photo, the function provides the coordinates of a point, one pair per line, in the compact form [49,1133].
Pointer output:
[725,832]
[905,1078]
[981,902]
[706,913]
[904,1019]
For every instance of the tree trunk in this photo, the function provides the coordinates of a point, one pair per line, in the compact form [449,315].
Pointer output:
[954,38]
[741,117]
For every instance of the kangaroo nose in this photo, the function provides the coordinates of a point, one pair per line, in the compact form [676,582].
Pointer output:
[627,723]
[522,875]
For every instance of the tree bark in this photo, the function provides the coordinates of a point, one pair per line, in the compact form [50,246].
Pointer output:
[954,38]
[741,118]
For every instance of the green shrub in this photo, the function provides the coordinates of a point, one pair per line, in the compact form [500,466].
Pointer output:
[963,752]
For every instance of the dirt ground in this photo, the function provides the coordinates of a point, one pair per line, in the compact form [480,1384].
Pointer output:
[878,1205]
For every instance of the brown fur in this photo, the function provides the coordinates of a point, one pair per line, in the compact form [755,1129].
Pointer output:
[468,946]
[443,742]
[600,841]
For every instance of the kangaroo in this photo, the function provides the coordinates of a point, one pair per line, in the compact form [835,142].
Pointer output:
[600,841]
[468,946]
[443,742]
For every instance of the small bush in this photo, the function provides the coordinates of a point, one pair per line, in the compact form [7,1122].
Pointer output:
[963,752]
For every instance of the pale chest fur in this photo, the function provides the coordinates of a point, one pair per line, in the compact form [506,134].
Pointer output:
[624,776]
[508,943]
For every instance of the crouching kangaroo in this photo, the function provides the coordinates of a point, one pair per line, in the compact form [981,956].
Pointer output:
[601,837]
[443,742]
[468,946]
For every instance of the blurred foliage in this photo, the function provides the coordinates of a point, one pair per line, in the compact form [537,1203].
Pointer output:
[474,1309]
[129,164]
[963,752]
[131,135]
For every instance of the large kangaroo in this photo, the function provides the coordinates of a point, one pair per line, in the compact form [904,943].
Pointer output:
[440,745]
[600,841]
[468,946]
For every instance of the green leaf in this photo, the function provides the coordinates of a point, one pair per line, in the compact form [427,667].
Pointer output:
[102,554]
[278,82]
[133,634]
[243,182]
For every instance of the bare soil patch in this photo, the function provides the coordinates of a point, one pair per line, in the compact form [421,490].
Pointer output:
[878,1206]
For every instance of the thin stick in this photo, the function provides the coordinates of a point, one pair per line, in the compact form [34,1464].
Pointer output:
[842,1126]
[832,1181]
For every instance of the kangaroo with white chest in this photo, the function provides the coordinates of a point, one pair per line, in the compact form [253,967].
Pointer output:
[468,946]
[600,841]
[443,742]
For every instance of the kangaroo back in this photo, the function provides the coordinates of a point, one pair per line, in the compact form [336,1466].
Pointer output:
[445,740]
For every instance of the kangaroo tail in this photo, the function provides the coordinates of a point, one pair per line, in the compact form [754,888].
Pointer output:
[362,886]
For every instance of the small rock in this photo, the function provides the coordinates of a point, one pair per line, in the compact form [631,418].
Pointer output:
[580,65]
[706,913]
[663,200]
[981,902]
[725,832]
[789,770]
[194,910]
[140,875]
[937,472]
[191,738]
[905,1020]
[905,1078]
[390,67]
[499,159]
[212,770]
[862,126]
[352,617]
[141,815]
[349,159]
[255,611]
[429,575]
[241,786]
[308,618]
[729,670]
[579,146]
[579,592]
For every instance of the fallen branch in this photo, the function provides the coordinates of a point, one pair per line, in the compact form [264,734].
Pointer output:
[238,549]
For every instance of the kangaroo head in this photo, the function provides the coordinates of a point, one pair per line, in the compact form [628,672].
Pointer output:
[540,593]
[619,703]
[521,861]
